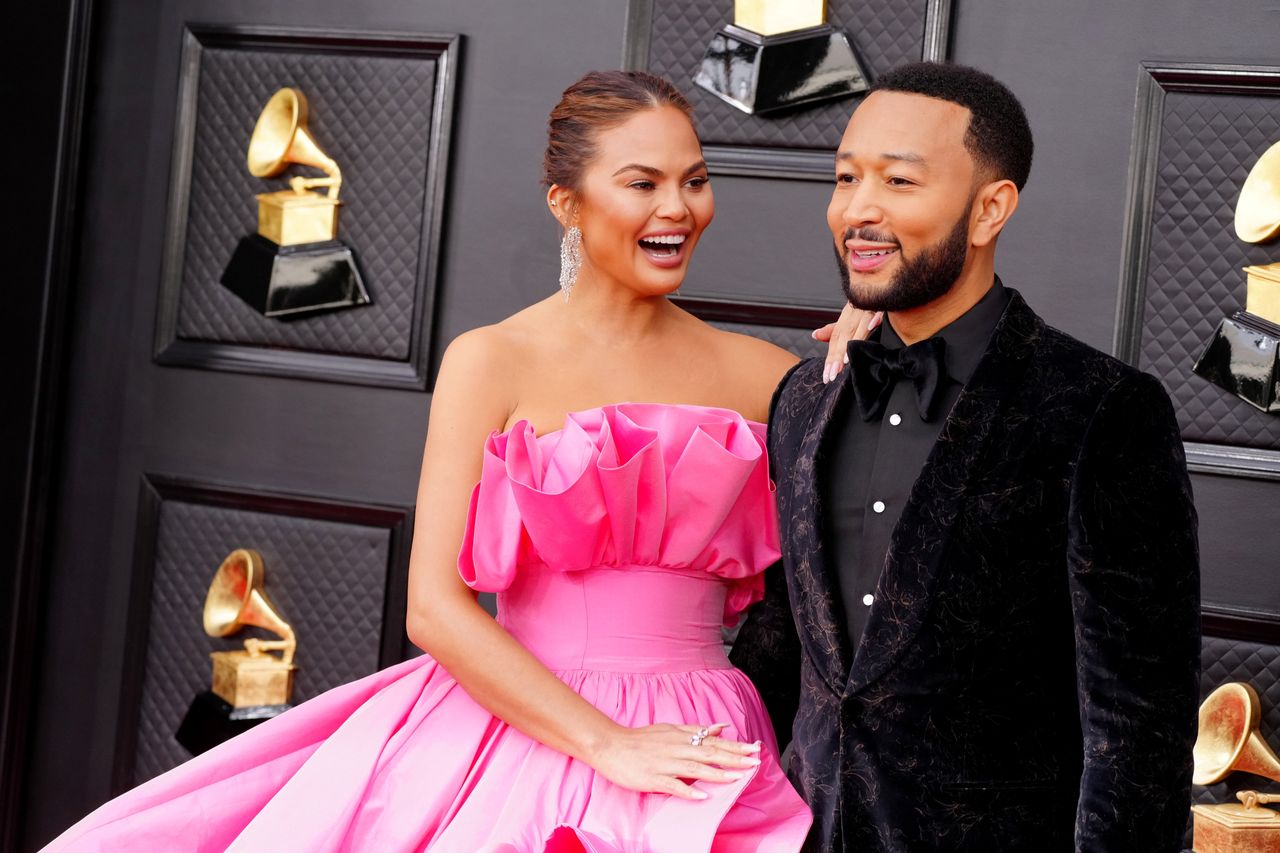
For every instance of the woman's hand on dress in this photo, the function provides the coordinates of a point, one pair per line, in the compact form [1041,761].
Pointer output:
[854,325]
[658,758]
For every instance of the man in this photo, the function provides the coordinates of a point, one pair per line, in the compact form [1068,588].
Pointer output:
[990,582]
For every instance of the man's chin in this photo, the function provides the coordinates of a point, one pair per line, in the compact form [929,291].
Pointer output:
[867,290]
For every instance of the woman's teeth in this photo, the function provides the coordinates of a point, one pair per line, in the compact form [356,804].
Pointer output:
[666,244]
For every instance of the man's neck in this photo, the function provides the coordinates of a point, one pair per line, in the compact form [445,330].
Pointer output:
[921,323]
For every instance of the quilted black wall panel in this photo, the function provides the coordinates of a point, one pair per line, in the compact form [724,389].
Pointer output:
[1199,129]
[1208,143]
[381,106]
[885,33]
[370,114]
[329,580]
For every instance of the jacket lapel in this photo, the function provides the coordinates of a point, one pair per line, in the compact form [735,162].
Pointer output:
[919,540]
[814,594]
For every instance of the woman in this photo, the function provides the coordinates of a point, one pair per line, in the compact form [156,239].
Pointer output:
[599,711]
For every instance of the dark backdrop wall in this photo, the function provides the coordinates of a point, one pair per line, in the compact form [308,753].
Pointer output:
[1075,65]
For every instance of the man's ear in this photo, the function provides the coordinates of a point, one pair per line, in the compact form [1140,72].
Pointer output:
[562,204]
[993,204]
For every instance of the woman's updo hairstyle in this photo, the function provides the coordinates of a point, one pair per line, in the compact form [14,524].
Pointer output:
[599,101]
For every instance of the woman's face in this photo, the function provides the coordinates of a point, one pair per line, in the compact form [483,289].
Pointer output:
[644,202]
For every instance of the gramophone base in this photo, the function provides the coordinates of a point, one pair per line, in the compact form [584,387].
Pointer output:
[760,74]
[1244,358]
[287,282]
[247,681]
[1231,828]
[210,721]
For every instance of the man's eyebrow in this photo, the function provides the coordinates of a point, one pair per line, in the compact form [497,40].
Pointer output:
[897,156]
[904,156]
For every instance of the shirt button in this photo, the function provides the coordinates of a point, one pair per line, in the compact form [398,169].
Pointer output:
[878,506]
[868,598]
[895,419]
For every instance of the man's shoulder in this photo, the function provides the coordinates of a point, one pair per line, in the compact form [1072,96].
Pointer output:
[1064,361]
[1059,363]
[799,391]
[794,401]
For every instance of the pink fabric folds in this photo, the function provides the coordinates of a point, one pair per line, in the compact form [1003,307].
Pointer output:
[634,484]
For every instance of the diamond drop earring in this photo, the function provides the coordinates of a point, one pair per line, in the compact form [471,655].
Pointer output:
[570,259]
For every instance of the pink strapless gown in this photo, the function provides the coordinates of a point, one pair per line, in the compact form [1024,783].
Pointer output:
[618,546]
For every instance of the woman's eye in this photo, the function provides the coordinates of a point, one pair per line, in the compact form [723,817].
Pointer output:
[641,185]
[698,183]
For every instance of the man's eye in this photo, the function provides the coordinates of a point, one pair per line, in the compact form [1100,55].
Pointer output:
[901,182]
[845,179]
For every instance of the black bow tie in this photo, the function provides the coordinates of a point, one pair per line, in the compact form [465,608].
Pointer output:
[874,368]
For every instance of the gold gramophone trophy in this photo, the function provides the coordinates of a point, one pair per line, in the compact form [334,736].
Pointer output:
[295,265]
[249,685]
[1244,354]
[1228,741]
[779,54]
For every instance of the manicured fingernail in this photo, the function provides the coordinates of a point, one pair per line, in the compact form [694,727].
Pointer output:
[752,760]
[752,747]
[846,358]
[814,334]
[700,795]
[876,319]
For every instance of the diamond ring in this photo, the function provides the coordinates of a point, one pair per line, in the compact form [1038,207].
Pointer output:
[697,739]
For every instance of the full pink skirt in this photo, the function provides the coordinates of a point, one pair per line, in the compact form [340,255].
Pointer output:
[405,760]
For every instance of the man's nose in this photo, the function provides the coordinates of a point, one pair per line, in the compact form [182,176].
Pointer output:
[862,209]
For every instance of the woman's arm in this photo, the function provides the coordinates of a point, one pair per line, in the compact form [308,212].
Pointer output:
[445,620]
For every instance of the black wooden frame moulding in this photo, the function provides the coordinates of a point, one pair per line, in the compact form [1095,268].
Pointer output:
[414,373]
[757,312]
[1155,80]
[763,161]
[1234,623]
[155,490]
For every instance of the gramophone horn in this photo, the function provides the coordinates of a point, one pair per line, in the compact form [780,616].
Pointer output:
[236,599]
[280,137]
[1229,739]
[1258,210]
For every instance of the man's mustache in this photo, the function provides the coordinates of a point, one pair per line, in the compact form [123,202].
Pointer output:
[867,235]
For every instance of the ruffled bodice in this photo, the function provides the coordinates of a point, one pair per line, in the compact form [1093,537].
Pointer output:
[630,486]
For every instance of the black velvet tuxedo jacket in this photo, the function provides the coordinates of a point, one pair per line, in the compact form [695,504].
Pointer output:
[1028,677]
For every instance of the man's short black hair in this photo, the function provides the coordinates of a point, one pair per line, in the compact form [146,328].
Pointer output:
[999,137]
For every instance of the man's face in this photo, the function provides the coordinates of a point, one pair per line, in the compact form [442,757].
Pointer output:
[899,214]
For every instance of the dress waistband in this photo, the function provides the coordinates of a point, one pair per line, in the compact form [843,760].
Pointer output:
[618,618]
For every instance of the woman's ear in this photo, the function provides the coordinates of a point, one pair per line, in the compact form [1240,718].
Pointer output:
[560,203]
[993,205]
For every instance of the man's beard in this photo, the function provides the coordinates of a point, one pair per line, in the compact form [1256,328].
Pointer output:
[925,276]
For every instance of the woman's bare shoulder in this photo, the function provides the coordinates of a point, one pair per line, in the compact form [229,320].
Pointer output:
[768,359]
[506,342]
[748,369]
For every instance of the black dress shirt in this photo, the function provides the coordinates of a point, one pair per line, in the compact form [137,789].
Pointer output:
[874,464]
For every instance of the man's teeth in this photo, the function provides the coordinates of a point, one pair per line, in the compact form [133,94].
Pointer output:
[876,253]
